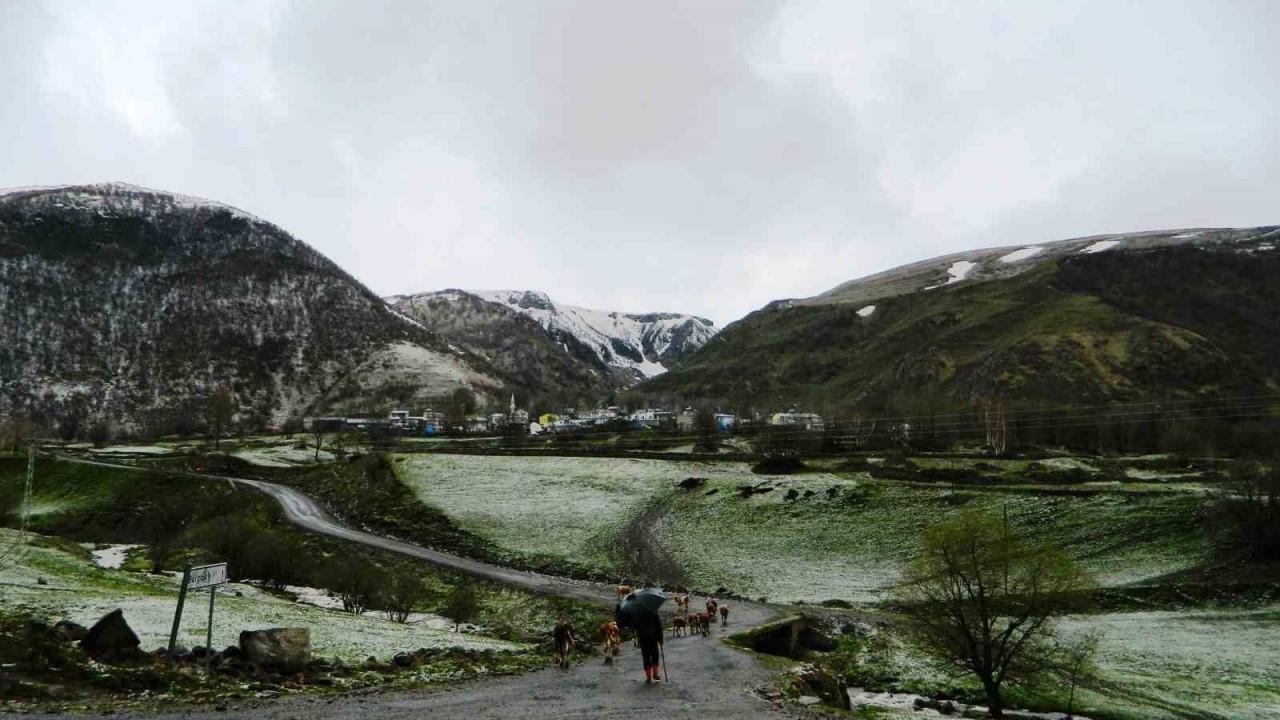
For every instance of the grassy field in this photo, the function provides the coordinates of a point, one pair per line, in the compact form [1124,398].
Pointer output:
[551,506]
[843,537]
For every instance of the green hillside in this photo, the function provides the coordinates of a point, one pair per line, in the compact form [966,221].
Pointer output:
[1165,323]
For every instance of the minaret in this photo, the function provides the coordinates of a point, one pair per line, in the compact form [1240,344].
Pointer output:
[513,405]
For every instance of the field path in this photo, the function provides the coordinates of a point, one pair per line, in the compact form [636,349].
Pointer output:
[709,678]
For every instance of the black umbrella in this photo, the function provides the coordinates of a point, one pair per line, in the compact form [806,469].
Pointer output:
[635,605]
[644,601]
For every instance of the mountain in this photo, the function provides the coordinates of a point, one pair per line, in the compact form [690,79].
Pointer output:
[520,331]
[535,360]
[131,306]
[1138,316]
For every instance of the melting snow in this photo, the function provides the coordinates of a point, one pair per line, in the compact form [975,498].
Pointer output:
[112,556]
[866,311]
[1022,254]
[958,271]
[1100,246]
[1187,235]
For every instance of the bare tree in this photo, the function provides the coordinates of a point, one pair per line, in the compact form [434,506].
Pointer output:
[983,601]
[995,414]
[217,413]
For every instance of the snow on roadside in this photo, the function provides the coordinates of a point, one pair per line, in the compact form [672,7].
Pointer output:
[866,311]
[80,591]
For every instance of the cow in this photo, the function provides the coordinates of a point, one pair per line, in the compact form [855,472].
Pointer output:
[682,602]
[703,623]
[712,607]
[622,590]
[678,625]
[612,641]
[724,614]
[563,636]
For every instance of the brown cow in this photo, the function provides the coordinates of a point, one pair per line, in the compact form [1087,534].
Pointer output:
[724,614]
[612,641]
[622,590]
[682,602]
[678,625]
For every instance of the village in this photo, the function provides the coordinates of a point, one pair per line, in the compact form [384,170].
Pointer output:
[431,422]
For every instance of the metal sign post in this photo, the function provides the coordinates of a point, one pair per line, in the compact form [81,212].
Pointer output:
[197,578]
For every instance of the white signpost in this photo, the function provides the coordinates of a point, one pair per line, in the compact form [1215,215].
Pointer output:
[197,578]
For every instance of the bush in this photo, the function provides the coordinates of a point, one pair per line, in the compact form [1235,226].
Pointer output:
[461,604]
[358,583]
[404,592]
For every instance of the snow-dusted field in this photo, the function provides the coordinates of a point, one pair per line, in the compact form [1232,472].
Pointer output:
[846,539]
[80,591]
[281,456]
[1204,663]
[563,507]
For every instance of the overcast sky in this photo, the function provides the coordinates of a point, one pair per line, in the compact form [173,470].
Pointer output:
[701,156]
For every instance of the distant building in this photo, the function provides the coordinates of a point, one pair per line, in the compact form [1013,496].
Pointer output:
[684,421]
[808,421]
[652,418]
[546,419]
[726,421]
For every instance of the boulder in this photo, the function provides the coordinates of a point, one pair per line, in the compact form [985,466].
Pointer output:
[285,649]
[69,631]
[111,638]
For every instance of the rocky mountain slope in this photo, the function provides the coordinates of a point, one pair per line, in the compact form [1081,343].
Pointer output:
[1171,314]
[528,334]
[131,305]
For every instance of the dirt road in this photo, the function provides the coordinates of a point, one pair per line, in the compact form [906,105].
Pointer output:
[707,678]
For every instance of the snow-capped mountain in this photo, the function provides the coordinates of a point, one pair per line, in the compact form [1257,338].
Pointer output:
[130,305]
[647,343]
[622,348]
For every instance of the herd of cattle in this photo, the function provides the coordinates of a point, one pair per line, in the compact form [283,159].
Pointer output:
[685,622]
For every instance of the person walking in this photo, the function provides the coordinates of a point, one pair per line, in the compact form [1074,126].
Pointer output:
[648,629]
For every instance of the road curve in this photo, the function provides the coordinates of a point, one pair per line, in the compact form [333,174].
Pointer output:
[706,678]
[307,514]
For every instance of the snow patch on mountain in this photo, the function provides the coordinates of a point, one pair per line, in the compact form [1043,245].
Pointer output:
[1100,246]
[1022,254]
[645,344]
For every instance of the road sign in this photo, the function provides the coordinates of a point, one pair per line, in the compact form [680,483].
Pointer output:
[207,576]
[198,578]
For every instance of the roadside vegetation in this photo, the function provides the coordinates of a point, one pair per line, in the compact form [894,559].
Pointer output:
[360,604]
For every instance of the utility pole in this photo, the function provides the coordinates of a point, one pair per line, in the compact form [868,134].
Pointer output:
[32,450]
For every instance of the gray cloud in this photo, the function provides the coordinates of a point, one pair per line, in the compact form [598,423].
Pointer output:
[699,156]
